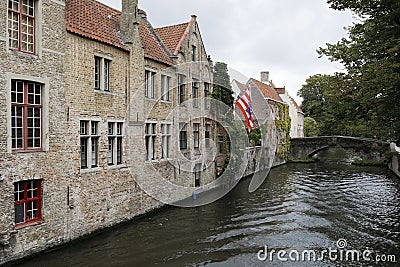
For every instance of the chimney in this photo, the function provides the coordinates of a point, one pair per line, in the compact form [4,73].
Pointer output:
[265,77]
[129,19]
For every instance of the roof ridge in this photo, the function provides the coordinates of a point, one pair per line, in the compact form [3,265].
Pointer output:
[173,25]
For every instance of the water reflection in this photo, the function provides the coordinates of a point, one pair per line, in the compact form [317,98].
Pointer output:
[304,206]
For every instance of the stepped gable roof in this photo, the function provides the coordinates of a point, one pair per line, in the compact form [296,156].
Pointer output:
[94,20]
[174,35]
[97,21]
[296,105]
[267,90]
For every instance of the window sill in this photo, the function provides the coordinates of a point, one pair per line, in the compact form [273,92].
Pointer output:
[25,54]
[166,101]
[16,151]
[150,99]
[148,162]
[28,224]
[117,167]
[96,169]
[100,91]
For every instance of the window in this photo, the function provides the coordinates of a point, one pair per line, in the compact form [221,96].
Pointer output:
[194,52]
[181,88]
[26,115]
[220,144]
[150,138]
[165,86]
[197,173]
[206,95]
[207,135]
[21,25]
[102,73]
[183,136]
[195,93]
[165,140]
[89,132]
[27,201]
[196,134]
[149,83]
[115,136]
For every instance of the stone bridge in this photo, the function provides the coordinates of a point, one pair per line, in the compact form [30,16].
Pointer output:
[302,148]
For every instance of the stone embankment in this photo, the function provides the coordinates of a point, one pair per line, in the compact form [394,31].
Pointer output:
[394,164]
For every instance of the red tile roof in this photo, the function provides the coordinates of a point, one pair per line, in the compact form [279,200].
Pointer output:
[173,36]
[268,91]
[152,47]
[94,20]
[296,105]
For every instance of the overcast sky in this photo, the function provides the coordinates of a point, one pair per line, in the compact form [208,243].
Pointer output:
[259,35]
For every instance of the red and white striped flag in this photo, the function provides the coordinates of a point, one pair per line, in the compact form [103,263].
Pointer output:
[244,104]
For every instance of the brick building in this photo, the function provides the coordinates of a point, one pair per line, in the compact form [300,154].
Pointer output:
[87,95]
[35,159]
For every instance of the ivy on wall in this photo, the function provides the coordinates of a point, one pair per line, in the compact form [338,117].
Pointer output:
[283,124]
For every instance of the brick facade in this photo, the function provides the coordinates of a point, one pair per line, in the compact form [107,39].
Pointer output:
[51,166]
[93,77]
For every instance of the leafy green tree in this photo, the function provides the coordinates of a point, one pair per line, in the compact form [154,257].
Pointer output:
[222,89]
[370,85]
[255,137]
[310,127]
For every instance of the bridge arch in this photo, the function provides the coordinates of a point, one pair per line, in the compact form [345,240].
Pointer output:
[305,147]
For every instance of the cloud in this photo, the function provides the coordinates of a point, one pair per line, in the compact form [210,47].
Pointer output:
[256,35]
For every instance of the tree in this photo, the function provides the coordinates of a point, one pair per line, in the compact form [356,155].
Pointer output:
[222,89]
[371,57]
[322,101]
[255,137]
[310,127]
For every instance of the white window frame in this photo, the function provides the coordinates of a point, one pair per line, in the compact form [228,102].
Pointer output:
[166,136]
[207,129]
[220,144]
[195,92]
[151,136]
[90,137]
[183,127]
[102,75]
[150,83]
[181,88]
[207,94]
[116,137]
[165,87]
[196,139]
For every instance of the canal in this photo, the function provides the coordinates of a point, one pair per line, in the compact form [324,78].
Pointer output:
[299,207]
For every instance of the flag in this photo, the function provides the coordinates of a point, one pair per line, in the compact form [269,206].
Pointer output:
[244,104]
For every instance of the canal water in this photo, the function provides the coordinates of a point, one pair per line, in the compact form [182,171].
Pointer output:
[300,208]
